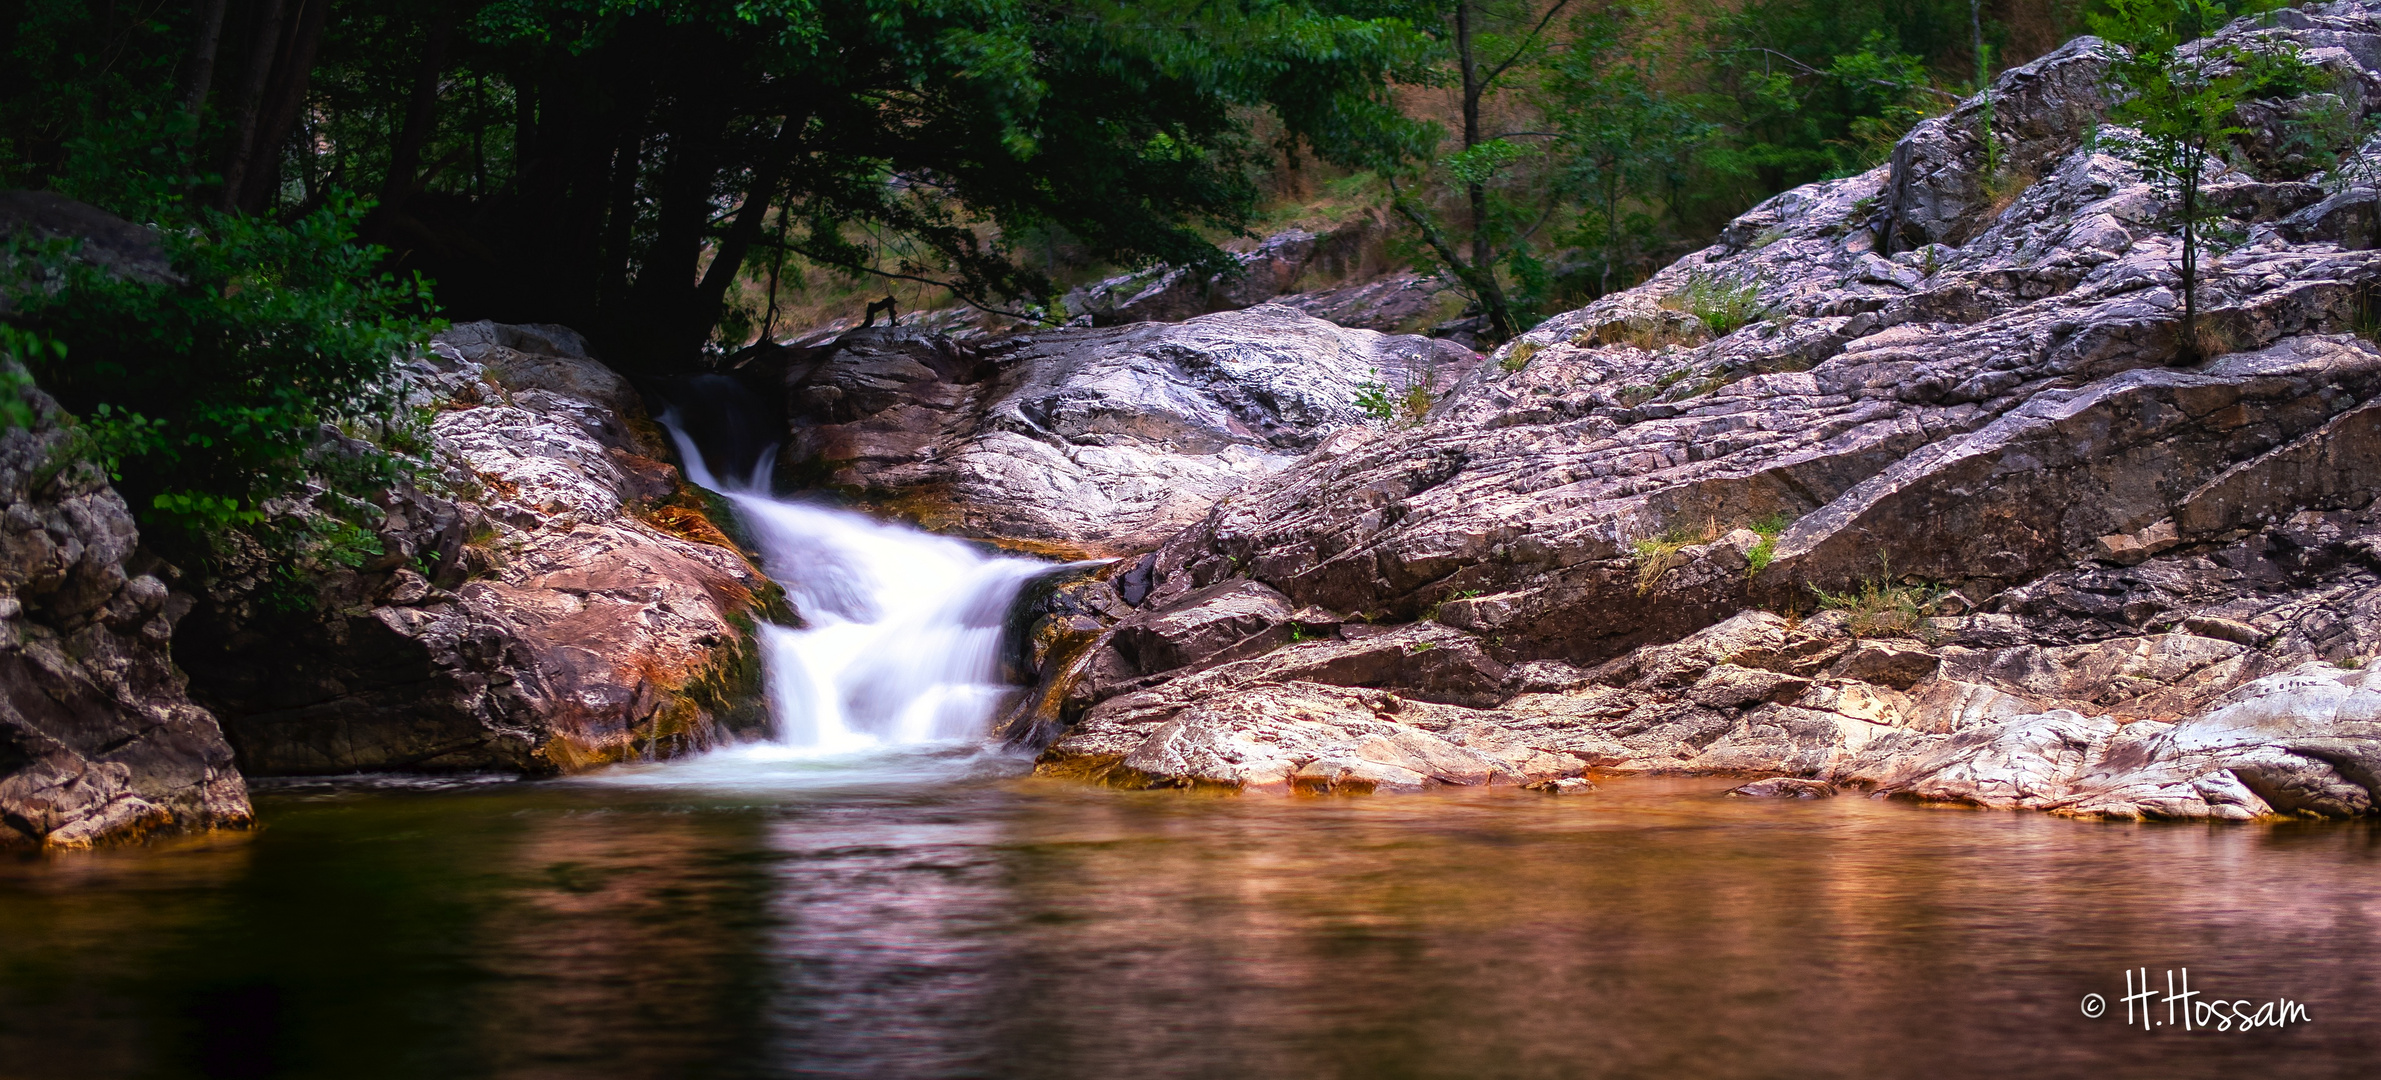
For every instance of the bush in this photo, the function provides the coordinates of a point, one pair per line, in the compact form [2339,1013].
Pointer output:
[1880,607]
[207,398]
[1723,306]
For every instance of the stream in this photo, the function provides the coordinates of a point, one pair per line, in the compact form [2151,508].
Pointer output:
[931,912]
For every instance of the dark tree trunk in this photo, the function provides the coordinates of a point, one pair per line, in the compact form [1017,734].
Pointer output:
[262,48]
[2191,351]
[620,215]
[279,115]
[711,292]
[1483,267]
[203,47]
[421,115]
[667,270]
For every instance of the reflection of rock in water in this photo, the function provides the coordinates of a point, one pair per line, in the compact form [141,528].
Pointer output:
[892,960]
[621,949]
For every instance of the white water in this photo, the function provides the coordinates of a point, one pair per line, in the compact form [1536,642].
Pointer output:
[902,647]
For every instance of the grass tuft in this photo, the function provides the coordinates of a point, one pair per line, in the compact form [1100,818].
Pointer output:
[1723,305]
[1880,607]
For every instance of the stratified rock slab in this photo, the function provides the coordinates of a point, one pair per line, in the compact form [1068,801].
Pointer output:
[1899,486]
[1085,441]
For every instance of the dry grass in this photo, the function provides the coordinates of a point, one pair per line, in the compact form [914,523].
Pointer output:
[2002,190]
[1880,607]
[1657,555]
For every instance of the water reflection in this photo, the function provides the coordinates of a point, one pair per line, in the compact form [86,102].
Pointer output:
[815,924]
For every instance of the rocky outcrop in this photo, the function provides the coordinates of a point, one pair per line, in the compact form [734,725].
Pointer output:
[1083,441]
[1341,276]
[98,741]
[554,599]
[1897,487]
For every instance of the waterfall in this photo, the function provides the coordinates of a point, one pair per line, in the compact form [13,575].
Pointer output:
[903,641]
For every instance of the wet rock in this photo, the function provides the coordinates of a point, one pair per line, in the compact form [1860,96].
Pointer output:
[1568,785]
[1302,736]
[1784,787]
[99,741]
[583,607]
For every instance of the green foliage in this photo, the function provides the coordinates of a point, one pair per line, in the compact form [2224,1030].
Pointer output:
[16,347]
[1627,139]
[207,397]
[1881,607]
[1765,552]
[1724,306]
[2182,108]
[1482,163]
[1380,401]
[1374,399]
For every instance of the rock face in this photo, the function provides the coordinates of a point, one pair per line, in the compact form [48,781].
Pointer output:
[563,602]
[98,740]
[1342,276]
[1083,441]
[2021,558]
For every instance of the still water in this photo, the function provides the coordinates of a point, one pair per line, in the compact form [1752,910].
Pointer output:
[932,913]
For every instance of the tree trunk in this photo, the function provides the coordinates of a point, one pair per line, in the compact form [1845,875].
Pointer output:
[421,115]
[202,56]
[252,92]
[1482,272]
[663,295]
[2190,353]
[279,116]
[620,214]
[711,292]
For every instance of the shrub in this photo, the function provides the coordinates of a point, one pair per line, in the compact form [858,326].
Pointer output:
[1722,305]
[1880,607]
[1375,399]
[211,396]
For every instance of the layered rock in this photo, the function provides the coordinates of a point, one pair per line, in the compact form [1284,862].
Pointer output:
[98,739]
[555,599]
[1959,390]
[1341,276]
[1083,441]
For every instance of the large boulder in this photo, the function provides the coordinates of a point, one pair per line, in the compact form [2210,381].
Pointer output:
[556,600]
[1904,459]
[98,740]
[1084,441]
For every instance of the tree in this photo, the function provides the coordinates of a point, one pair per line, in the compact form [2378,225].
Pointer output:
[2182,109]
[617,164]
[661,146]
[1487,40]
[1624,138]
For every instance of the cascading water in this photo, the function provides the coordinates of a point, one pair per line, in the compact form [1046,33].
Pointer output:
[903,642]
